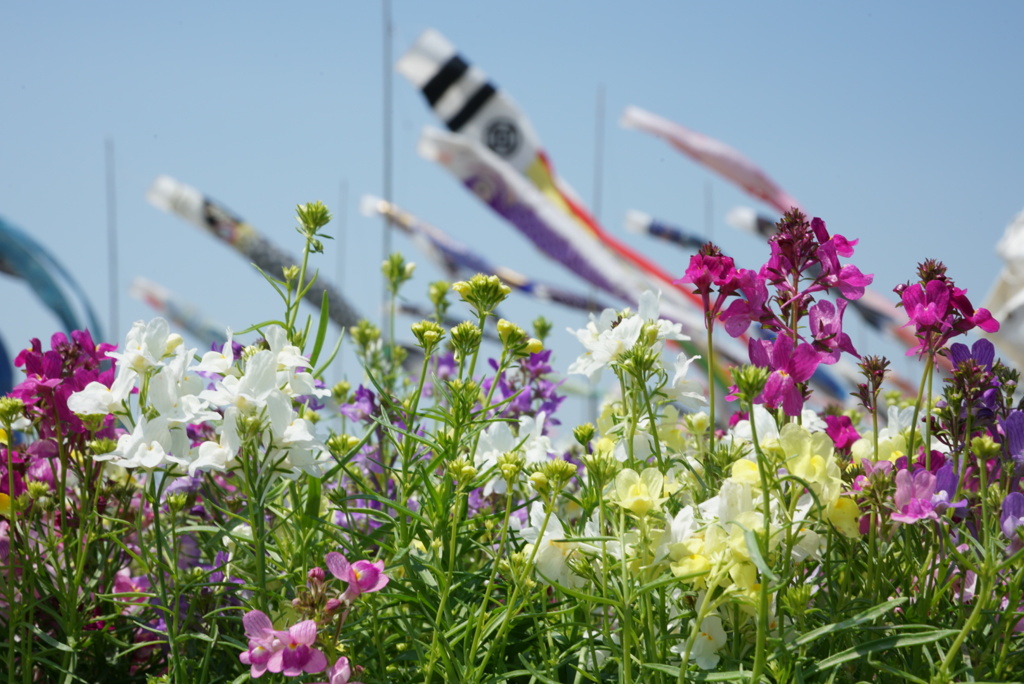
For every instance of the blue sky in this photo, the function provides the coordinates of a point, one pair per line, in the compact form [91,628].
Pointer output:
[898,123]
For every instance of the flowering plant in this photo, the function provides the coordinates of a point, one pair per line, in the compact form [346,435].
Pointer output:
[185,517]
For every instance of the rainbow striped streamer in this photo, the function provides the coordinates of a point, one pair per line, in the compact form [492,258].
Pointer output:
[457,259]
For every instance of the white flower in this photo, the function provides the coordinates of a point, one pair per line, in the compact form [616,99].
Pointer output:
[255,390]
[304,452]
[604,339]
[219,362]
[710,639]
[217,455]
[552,550]
[146,345]
[152,444]
[536,446]
[496,440]
[689,393]
[98,399]
[608,337]
[680,528]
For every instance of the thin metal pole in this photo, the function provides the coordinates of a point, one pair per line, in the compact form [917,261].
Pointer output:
[341,217]
[709,221]
[599,107]
[387,117]
[112,266]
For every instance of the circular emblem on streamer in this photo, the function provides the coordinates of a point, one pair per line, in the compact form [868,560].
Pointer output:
[502,137]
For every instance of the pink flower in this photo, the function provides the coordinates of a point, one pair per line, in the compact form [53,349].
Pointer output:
[924,495]
[263,642]
[362,576]
[340,673]
[297,654]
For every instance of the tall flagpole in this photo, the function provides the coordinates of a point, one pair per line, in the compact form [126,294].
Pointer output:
[386,118]
[112,266]
[341,218]
[598,189]
[709,221]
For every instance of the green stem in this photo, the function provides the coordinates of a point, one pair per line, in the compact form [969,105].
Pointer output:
[917,407]
[709,324]
[760,654]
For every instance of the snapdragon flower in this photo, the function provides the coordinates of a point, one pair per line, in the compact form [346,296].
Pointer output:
[340,673]
[362,576]
[552,551]
[639,493]
[710,639]
[611,335]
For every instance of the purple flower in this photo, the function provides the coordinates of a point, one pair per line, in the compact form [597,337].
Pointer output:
[982,352]
[1011,519]
[1013,431]
[738,316]
[913,496]
[363,406]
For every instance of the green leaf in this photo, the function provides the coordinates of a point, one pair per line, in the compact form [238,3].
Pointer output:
[886,644]
[869,615]
[321,331]
[755,556]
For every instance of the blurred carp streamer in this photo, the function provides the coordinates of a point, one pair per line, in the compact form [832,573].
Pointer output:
[1006,298]
[187,202]
[713,154]
[457,260]
[23,257]
[182,314]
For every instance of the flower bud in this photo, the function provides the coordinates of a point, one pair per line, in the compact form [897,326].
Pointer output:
[483,293]
[750,381]
[428,335]
[466,338]
[11,408]
[583,434]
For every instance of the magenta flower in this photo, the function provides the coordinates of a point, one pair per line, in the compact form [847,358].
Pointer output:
[339,673]
[790,366]
[263,643]
[826,323]
[940,310]
[841,430]
[738,316]
[297,654]
[710,268]
[362,577]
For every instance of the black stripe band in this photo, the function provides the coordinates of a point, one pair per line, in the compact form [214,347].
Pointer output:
[472,106]
[452,71]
